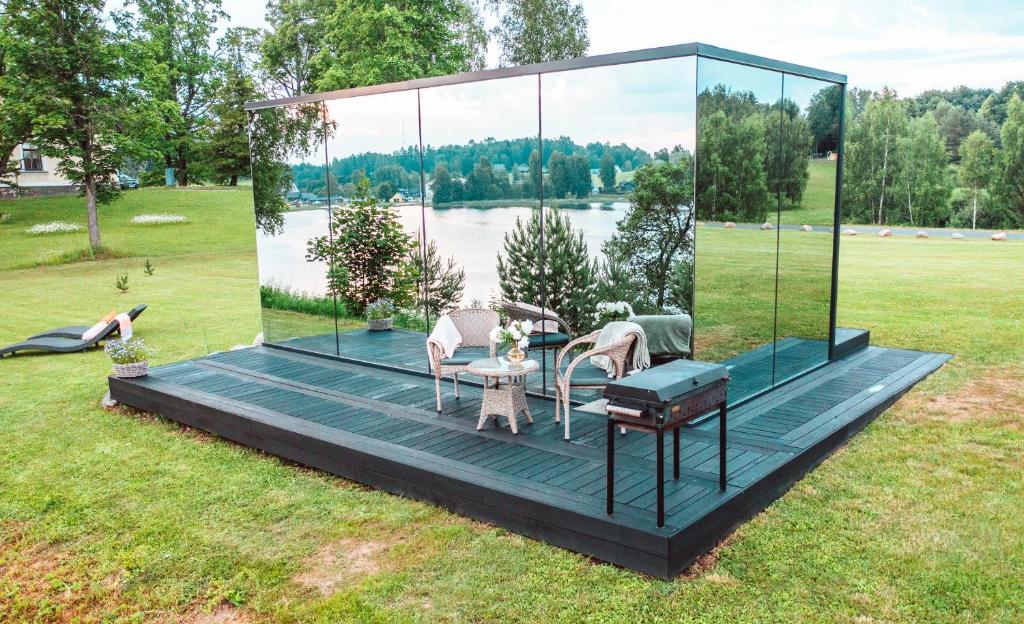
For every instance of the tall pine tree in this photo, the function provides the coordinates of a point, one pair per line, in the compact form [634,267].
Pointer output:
[570,274]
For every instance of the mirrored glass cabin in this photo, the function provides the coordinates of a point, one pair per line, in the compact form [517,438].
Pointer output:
[689,188]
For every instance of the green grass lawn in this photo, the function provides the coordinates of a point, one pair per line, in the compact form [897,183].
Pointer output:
[119,516]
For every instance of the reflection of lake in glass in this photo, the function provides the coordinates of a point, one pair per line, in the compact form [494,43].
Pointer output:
[473,236]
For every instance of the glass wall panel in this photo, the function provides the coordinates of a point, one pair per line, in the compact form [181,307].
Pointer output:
[374,177]
[810,140]
[738,133]
[292,203]
[482,210]
[618,198]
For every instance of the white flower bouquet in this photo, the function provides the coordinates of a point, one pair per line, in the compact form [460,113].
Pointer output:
[608,311]
[516,334]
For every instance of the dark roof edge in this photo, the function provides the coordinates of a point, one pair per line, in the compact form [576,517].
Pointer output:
[600,60]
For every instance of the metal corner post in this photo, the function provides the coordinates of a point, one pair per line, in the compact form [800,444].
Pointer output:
[837,221]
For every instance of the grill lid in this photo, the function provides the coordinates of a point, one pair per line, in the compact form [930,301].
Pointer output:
[666,383]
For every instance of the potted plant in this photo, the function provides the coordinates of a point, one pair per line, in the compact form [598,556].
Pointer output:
[130,357]
[517,334]
[380,315]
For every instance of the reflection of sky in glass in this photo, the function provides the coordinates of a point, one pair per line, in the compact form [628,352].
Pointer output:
[382,123]
[648,105]
[499,109]
[764,84]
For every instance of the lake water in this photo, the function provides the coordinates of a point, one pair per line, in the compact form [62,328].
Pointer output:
[473,236]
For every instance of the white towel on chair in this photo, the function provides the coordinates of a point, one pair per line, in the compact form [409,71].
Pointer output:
[124,323]
[447,335]
[615,331]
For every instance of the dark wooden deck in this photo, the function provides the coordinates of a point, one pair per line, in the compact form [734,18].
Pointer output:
[378,427]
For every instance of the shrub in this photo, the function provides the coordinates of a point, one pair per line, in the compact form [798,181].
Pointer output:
[380,309]
[276,298]
[128,351]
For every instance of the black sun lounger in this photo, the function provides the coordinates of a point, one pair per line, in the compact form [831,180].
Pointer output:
[64,343]
[76,331]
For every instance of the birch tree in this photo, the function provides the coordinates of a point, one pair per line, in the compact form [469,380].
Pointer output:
[977,168]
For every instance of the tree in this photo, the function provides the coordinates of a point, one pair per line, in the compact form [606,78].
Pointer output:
[558,175]
[978,162]
[922,181]
[1011,179]
[996,106]
[369,42]
[368,251]
[787,153]
[823,119]
[287,49]
[580,182]
[534,31]
[17,104]
[443,185]
[173,40]
[441,283]
[536,178]
[570,274]
[871,159]
[731,181]
[656,232]
[275,136]
[228,148]
[607,172]
[954,123]
[481,183]
[85,114]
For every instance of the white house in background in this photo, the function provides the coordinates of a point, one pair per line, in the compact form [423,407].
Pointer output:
[37,174]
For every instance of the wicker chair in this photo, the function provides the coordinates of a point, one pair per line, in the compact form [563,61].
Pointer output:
[589,376]
[475,325]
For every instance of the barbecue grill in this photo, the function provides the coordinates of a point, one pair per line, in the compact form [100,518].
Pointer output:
[665,398]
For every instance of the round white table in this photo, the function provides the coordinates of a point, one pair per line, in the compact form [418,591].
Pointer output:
[504,389]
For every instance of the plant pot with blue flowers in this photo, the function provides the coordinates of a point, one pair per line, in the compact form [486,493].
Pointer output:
[129,356]
[380,315]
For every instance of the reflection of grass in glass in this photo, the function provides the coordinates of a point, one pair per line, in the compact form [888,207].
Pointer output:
[288,314]
[818,203]
[735,289]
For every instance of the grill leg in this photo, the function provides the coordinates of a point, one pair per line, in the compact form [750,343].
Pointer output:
[661,476]
[610,486]
[721,446]
[675,453]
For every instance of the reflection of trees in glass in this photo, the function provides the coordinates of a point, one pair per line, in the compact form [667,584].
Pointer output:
[788,153]
[443,282]
[655,234]
[368,252]
[731,180]
[738,135]
[607,172]
[275,135]
[823,119]
[570,274]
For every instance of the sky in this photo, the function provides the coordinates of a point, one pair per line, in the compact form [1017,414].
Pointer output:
[911,46]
